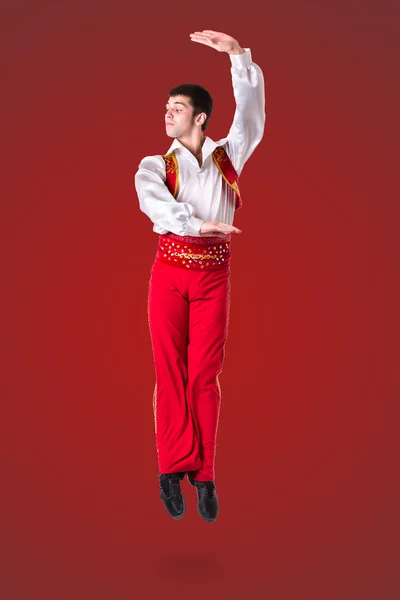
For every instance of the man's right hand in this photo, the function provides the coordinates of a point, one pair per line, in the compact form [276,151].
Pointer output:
[217,229]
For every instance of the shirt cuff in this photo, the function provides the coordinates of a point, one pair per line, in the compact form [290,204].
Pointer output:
[193,225]
[241,61]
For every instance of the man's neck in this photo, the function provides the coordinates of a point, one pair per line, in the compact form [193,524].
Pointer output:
[194,146]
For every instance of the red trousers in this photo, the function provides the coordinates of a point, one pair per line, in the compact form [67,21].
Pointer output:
[188,310]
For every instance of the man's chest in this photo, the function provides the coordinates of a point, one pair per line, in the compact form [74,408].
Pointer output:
[192,177]
[187,180]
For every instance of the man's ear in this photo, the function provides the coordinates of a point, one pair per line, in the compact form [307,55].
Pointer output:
[201,118]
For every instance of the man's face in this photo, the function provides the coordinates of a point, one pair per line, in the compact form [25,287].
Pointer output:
[179,120]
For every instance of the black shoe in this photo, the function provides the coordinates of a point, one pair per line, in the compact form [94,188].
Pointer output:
[171,494]
[207,499]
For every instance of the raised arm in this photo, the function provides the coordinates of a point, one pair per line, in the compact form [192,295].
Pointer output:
[157,202]
[248,124]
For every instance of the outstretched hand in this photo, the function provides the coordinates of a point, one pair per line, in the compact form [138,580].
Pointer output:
[217,40]
[217,229]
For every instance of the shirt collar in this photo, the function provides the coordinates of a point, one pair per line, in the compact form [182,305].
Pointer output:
[208,147]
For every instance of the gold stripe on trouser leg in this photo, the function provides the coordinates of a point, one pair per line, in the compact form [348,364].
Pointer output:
[155,412]
[155,407]
[219,408]
[219,387]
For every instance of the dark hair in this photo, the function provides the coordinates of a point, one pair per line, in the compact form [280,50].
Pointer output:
[199,98]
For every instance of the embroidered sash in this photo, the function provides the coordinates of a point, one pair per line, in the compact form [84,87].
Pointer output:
[221,159]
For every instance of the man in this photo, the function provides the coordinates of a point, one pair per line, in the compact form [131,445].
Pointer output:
[190,194]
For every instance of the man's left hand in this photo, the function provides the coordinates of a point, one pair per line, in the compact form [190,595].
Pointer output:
[217,40]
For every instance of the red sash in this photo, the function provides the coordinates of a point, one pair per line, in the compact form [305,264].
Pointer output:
[221,159]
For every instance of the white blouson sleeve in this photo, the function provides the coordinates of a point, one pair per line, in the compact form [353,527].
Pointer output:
[157,202]
[248,124]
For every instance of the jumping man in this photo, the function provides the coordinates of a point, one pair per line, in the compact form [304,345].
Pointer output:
[191,194]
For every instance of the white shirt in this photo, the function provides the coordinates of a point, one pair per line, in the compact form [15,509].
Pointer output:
[203,195]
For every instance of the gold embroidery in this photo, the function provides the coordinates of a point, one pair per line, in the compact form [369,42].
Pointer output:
[220,154]
[195,256]
[171,165]
[218,157]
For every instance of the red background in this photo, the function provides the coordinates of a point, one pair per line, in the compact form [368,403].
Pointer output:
[307,446]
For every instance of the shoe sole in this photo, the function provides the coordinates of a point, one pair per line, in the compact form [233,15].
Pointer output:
[204,518]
